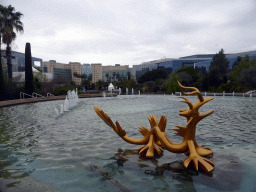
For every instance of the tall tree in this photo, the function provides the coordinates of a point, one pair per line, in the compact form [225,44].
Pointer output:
[29,86]
[117,75]
[82,76]
[99,84]
[239,58]
[220,62]
[11,21]
[243,75]
[193,73]
[219,69]
[2,87]
[114,75]
[86,84]
[172,84]
[248,77]
[107,75]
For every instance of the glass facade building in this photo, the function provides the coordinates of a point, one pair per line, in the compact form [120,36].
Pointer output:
[62,74]
[232,58]
[87,70]
[201,62]
[18,61]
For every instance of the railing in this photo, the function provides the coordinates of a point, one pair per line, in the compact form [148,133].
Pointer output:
[34,93]
[50,95]
[224,94]
[22,95]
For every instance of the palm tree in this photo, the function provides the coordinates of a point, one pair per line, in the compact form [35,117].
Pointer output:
[114,75]
[117,75]
[99,84]
[107,75]
[10,20]
[2,87]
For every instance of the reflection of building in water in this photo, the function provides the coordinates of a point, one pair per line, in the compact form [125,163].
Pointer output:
[18,61]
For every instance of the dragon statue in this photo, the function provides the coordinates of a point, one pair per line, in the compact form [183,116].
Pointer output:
[156,138]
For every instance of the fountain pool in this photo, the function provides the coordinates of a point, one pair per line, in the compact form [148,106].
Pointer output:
[76,151]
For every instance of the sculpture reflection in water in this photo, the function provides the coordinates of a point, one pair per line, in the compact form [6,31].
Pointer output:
[156,138]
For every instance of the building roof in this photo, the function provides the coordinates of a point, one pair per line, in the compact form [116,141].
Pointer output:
[242,54]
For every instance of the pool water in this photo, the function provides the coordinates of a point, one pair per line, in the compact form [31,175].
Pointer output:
[77,151]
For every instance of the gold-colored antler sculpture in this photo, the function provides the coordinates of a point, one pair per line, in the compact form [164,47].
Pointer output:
[149,138]
[156,137]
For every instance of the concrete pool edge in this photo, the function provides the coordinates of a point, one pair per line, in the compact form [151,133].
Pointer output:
[42,99]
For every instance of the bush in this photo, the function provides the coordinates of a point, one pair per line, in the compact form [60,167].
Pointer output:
[171,85]
[223,87]
[198,85]
[62,90]
[152,76]
[37,85]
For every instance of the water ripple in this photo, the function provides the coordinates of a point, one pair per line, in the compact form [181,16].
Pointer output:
[36,141]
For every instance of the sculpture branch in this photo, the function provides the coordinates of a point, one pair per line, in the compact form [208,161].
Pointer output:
[156,137]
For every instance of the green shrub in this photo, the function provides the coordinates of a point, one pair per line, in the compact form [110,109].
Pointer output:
[172,85]
[63,90]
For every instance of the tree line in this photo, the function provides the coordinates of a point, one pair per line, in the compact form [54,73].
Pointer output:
[240,78]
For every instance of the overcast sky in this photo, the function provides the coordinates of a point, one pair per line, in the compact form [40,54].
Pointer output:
[129,32]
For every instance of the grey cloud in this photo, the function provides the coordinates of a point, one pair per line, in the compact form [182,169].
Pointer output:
[49,32]
[134,31]
[244,19]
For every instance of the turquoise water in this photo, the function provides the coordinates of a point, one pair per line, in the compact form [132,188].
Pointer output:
[76,151]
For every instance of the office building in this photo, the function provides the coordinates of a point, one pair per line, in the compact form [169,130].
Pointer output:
[87,70]
[115,73]
[63,71]
[18,61]
[200,62]
[96,72]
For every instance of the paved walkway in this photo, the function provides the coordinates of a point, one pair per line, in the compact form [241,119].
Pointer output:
[41,99]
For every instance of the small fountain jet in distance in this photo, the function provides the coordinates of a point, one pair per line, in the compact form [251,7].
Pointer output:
[155,138]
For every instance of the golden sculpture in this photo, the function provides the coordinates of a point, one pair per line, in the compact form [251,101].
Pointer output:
[156,138]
